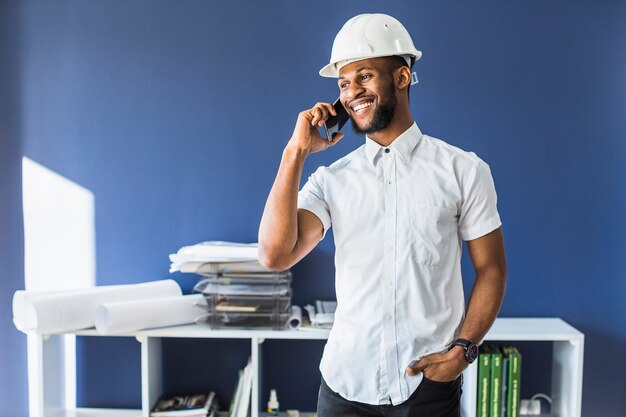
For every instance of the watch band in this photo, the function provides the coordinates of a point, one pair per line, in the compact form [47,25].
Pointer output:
[462,342]
[470,349]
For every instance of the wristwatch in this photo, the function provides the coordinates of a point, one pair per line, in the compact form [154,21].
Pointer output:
[470,348]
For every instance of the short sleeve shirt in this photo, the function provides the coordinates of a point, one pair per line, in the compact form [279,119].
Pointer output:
[399,216]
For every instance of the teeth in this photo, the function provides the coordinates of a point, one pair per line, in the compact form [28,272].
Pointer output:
[362,106]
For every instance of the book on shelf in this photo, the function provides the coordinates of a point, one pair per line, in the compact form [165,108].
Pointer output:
[495,391]
[503,381]
[232,409]
[322,314]
[514,361]
[499,381]
[240,403]
[246,392]
[193,405]
[325,307]
[484,370]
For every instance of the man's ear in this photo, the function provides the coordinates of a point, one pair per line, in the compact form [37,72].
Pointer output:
[402,77]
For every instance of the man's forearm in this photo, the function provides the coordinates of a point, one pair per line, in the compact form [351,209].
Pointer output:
[280,234]
[484,304]
[278,231]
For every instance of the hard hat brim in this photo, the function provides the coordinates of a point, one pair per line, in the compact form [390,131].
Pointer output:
[330,70]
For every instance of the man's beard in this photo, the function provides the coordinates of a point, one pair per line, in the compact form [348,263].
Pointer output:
[383,115]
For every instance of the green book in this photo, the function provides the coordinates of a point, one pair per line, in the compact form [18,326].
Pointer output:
[514,381]
[495,391]
[504,381]
[484,368]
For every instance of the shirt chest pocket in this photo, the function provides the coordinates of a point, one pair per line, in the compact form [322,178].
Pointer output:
[433,233]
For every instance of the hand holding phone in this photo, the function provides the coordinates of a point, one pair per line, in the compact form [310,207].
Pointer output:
[333,124]
[308,136]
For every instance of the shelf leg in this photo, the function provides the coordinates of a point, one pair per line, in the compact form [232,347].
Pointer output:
[51,374]
[567,377]
[151,374]
[257,350]
[468,397]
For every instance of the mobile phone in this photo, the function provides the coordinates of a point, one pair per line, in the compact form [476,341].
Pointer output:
[333,125]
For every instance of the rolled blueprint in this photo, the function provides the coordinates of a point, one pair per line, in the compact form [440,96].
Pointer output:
[129,316]
[61,311]
[295,319]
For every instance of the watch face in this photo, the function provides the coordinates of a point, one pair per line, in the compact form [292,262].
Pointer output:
[472,352]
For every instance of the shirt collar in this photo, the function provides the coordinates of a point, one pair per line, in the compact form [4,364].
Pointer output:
[403,144]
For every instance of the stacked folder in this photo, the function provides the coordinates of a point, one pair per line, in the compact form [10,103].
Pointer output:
[239,292]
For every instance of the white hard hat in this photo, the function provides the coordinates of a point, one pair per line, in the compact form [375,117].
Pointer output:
[369,36]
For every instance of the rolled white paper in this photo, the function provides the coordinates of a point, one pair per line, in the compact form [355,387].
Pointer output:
[295,320]
[129,316]
[24,313]
[61,311]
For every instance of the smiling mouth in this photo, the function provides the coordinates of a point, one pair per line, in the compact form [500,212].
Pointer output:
[361,107]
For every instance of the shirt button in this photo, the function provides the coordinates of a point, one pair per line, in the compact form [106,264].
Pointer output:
[389,182]
[390,248]
[387,150]
[388,317]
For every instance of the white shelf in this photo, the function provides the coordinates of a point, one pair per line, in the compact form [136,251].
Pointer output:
[50,365]
[504,328]
[284,414]
[204,332]
[567,361]
[533,329]
[96,412]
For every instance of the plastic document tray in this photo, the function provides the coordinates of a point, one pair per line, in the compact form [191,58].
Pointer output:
[274,304]
[231,273]
[228,320]
[259,286]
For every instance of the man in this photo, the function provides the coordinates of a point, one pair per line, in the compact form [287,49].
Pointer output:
[400,205]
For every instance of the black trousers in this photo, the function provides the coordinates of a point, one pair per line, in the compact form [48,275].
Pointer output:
[430,399]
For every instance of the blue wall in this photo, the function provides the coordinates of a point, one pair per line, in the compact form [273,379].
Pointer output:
[175,113]
[13,384]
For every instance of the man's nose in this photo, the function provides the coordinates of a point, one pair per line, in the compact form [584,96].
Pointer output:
[353,91]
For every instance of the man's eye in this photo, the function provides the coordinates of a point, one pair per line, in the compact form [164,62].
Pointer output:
[343,85]
[366,76]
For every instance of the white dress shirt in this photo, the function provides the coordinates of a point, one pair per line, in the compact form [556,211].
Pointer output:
[399,215]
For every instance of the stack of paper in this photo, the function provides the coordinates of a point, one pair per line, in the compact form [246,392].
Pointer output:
[217,256]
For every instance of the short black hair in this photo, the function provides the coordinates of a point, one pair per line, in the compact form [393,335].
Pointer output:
[396,61]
